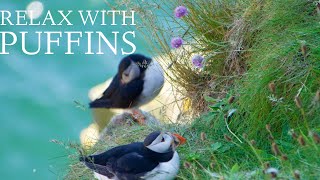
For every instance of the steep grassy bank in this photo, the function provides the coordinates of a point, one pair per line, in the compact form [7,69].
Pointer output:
[279,94]
[259,88]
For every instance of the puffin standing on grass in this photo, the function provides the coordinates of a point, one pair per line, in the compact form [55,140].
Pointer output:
[153,159]
[138,81]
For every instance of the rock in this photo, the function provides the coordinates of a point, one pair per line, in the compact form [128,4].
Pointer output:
[126,120]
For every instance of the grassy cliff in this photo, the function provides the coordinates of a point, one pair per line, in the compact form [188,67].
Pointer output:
[258,94]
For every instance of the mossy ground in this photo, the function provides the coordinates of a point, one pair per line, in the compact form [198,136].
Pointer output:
[274,77]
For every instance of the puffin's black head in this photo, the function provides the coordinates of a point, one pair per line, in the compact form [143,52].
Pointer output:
[151,137]
[163,142]
[132,66]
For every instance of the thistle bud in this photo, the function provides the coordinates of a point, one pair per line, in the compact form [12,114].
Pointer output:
[318,8]
[275,149]
[316,137]
[270,137]
[266,165]
[268,127]
[187,165]
[212,165]
[301,141]
[303,48]
[228,138]
[245,136]
[293,134]
[296,174]
[231,99]
[253,142]
[298,102]
[272,87]
[203,136]
[284,157]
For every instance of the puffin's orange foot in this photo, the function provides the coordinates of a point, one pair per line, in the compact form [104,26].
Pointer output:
[138,116]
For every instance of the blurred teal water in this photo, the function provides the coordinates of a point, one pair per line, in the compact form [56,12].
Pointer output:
[37,95]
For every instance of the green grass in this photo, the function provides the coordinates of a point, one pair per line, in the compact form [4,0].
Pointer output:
[278,64]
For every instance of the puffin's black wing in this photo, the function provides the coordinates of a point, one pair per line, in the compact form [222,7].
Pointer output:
[115,84]
[105,100]
[103,163]
[134,163]
[132,90]
[121,96]
[116,152]
[105,170]
[101,103]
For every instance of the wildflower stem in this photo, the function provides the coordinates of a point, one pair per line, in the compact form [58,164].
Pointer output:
[256,154]
[304,118]
[225,120]
[218,165]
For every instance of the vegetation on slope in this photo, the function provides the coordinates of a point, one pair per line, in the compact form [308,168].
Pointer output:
[259,88]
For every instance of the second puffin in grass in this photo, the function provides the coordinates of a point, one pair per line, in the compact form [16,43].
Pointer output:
[154,159]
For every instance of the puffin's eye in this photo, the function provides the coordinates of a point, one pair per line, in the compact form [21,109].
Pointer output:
[162,140]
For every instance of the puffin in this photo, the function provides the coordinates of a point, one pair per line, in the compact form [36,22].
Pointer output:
[139,80]
[155,158]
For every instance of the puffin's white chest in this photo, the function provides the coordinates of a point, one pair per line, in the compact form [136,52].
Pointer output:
[102,177]
[165,171]
[153,82]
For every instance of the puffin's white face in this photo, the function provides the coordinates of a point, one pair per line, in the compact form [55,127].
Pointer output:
[129,74]
[165,142]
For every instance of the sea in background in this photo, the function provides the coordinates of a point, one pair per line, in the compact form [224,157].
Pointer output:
[38,92]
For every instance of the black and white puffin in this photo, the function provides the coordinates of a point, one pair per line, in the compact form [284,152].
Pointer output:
[154,159]
[138,81]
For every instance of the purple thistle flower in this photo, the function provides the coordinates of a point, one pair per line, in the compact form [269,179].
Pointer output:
[197,61]
[180,11]
[176,42]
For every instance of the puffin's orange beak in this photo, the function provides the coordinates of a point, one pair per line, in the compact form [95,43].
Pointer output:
[182,140]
